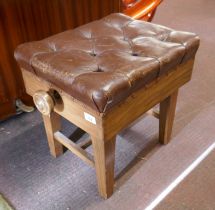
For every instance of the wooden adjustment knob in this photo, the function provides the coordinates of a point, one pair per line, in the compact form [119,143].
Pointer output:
[43,102]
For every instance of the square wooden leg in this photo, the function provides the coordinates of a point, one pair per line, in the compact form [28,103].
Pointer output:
[167,114]
[104,157]
[52,124]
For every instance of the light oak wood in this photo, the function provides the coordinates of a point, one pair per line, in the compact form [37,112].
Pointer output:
[74,148]
[167,114]
[52,124]
[110,123]
[44,102]
[68,107]
[104,156]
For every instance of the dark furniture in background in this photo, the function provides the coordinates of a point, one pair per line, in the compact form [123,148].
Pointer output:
[27,20]
[140,9]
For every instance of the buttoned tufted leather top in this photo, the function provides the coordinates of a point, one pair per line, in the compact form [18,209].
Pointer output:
[103,62]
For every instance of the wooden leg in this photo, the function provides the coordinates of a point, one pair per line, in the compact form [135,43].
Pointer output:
[104,156]
[167,114]
[52,124]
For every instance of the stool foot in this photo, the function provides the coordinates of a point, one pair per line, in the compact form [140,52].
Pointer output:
[104,156]
[167,114]
[52,124]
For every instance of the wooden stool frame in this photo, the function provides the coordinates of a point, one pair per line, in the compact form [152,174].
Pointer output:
[103,127]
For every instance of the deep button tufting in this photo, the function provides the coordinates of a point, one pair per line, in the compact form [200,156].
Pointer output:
[93,54]
[103,62]
[135,54]
[98,70]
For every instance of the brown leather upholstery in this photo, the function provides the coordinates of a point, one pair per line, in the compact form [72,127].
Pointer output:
[103,62]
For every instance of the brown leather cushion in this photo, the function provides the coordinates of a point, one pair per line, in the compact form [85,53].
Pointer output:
[103,62]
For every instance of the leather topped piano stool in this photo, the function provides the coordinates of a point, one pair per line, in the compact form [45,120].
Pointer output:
[101,77]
